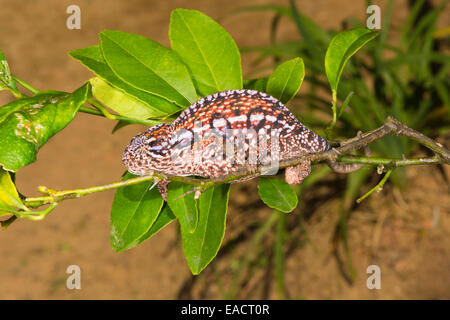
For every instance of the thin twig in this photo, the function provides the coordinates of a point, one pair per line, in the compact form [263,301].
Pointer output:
[390,163]
[377,188]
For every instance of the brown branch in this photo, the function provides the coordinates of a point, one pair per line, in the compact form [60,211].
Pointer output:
[391,126]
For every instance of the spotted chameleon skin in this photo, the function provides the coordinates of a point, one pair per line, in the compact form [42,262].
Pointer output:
[160,148]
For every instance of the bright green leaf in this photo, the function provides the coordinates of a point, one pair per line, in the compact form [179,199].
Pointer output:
[183,205]
[120,101]
[134,210]
[9,197]
[27,124]
[147,65]
[208,50]
[341,48]
[277,194]
[201,246]
[286,80]
[151,106]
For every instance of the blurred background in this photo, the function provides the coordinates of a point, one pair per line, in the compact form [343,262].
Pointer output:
[320,251]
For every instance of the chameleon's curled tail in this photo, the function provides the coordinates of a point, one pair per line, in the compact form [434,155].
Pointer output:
[341,167]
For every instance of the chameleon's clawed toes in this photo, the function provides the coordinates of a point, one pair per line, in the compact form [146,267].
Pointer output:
[296,174]
[162,187]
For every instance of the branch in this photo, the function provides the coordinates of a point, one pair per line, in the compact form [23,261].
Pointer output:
[391,126]
[390,163]
[53,196]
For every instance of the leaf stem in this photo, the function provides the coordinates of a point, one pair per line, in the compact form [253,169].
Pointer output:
[377,188]
[96,112]
[25,85]
[329,129]
[101,108]
[334,107]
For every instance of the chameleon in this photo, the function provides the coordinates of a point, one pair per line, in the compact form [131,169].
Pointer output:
[197,142]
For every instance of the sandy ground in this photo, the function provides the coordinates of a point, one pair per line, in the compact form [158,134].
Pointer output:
[396,230]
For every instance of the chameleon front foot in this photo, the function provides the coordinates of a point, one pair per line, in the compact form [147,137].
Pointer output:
[296,174]
[162,187]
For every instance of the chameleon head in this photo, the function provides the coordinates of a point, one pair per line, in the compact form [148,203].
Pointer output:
[149,151]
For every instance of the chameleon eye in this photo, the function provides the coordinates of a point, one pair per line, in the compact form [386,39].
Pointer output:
[155,144]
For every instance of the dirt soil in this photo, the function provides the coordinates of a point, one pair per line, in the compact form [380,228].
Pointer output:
[405,232]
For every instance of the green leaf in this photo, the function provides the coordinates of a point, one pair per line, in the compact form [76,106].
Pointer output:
[134,210]
[9,197]
[120,101]
[183,205]
[201,246]
[208,50]
[277,194]
[165,217]
[286,80]
[341,48]
[147,65]
[27,124]
[6,81]
[151,106]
